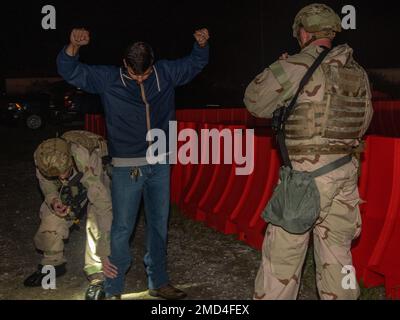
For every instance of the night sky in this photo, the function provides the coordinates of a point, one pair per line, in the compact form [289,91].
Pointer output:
[246,35]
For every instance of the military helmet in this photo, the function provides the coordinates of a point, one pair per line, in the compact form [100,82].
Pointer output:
[53,157]
[318,19]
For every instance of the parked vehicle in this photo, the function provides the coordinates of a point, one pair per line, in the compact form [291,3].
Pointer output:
[59,103]
[31,111]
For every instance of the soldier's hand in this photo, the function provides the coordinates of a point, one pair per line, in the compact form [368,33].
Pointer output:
[202,37]
[59,208]
[79,37]
[109,270]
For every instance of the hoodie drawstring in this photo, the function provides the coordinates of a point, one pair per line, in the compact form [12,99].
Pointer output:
[142,91]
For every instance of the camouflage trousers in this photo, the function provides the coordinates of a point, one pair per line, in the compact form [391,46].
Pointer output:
[339,223]
[52,232]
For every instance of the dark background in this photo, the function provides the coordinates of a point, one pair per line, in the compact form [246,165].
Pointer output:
[246,36]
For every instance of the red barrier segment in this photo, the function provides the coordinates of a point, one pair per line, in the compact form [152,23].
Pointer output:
[254,197]
[180,174]
[385,259]
[225,116]
[96,123]
[183,115]
[209,202]
[386,117]
[234,195]
[253,231]
[395,117]
[376,189]
[198,115]
[188,171]
[211,116]
[200,185]
[239,116]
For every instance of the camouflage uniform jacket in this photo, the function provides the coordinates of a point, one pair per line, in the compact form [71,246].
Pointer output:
[276,85]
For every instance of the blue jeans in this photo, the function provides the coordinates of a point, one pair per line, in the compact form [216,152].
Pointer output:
[153,184]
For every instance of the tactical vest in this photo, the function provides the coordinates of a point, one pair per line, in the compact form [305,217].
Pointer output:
[342,114]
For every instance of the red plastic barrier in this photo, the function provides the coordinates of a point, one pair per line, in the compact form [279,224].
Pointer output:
[242,116]
[376,189]
[183,174]
[183,115]
[253,230]
[200,185]
[386,118]
[385,259]
[256,196]
[239,116]
[211,116]
[198,115]
[95,123]
[217,184]
[236,189]
[180,174]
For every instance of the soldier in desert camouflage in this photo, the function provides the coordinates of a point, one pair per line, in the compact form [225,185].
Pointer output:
[332,113]
[73,161]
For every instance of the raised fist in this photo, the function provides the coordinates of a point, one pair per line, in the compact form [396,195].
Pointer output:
[201,37]
[79,37]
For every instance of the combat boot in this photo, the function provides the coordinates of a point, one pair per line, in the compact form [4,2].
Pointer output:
[95,290]
[35,279]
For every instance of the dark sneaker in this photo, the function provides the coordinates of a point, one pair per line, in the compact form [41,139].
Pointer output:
[35,279]
[95,291]
[168,292]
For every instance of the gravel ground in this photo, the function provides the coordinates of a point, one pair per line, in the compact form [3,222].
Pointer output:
[206,264]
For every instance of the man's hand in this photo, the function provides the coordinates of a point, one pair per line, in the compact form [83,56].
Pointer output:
[59,208]
[109,270]
[202,37]
[77,39]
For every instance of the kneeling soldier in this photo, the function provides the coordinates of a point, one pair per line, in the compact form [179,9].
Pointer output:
[73,180]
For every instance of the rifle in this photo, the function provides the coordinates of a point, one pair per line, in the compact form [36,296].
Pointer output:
[74,196]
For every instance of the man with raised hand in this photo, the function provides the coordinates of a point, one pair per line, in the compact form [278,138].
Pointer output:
[137,97]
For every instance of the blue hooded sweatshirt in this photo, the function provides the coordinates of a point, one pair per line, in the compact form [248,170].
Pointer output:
[124,108]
